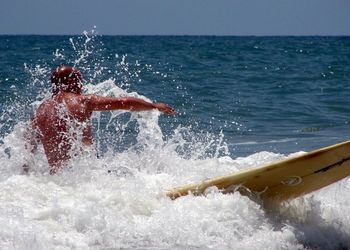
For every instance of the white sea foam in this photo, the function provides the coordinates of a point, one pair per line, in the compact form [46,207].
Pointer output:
[264,142]
[118,201]
[85,207]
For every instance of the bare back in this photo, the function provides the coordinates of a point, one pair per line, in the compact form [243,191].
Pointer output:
[63,121]
[62,124]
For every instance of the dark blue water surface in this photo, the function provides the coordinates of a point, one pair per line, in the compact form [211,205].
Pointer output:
[279,94]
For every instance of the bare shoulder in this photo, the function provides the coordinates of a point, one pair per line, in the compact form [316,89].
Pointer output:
[88,97]
[70,99]
[87,100]
[43,107]
[83,103]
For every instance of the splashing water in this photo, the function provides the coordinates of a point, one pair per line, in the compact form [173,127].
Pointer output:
[117,201]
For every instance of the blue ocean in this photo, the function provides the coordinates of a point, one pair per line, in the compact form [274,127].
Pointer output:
[241,102]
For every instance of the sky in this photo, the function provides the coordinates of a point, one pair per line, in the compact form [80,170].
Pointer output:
[176,17]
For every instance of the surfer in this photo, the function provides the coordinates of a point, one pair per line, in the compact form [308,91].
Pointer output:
[64,121]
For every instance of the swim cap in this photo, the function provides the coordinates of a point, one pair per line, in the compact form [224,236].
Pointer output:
[67,79]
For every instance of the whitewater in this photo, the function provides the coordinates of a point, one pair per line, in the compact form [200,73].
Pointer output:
[117,200]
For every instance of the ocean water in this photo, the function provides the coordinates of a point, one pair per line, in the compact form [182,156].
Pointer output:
[241,102]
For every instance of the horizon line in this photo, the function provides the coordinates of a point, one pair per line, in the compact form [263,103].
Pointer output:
[178,35]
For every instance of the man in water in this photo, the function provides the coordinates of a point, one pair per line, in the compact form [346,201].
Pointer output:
[64,120]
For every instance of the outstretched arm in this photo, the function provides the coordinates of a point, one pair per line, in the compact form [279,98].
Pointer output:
[100,103]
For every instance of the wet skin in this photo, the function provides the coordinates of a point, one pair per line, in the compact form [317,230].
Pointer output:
[54,119]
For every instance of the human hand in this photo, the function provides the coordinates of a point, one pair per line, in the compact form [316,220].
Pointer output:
[162,107]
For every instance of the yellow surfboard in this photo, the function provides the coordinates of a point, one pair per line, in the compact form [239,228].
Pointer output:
[282,180]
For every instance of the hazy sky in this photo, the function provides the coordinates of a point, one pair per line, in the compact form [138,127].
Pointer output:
[176,17]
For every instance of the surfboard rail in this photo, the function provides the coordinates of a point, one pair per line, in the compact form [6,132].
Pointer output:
[282,180]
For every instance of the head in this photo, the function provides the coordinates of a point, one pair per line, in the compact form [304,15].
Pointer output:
[66,79]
